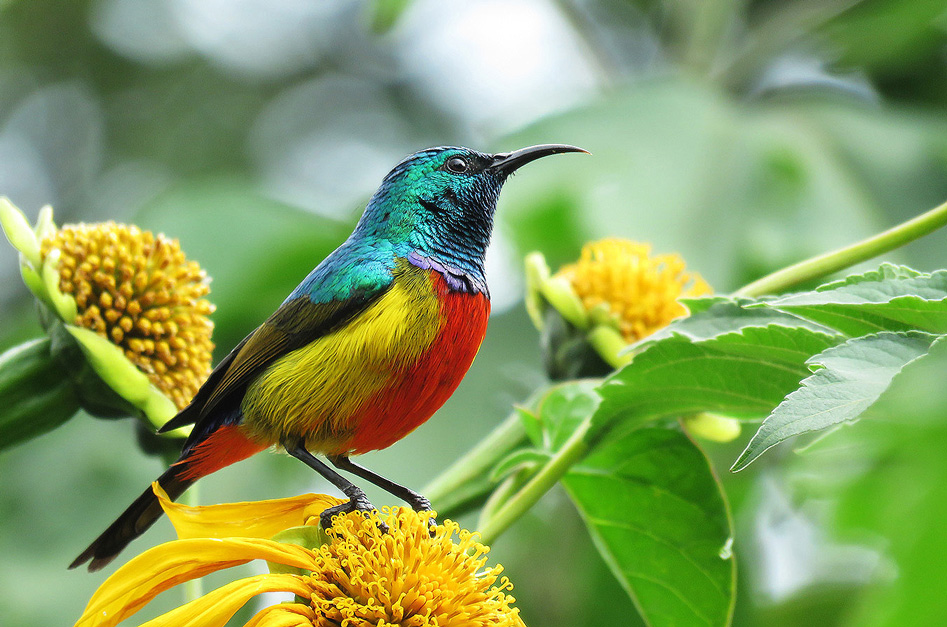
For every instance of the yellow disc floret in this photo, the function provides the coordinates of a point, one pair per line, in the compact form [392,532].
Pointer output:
[639,291]
[139,291]
[412,575]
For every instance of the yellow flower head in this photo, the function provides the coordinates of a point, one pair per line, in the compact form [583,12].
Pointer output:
[140,292]
[407,576]
[615,294]
[131,303]
[639,290]
[354,574]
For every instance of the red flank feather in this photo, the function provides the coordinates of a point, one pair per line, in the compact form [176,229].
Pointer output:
[414,394]
[225,446]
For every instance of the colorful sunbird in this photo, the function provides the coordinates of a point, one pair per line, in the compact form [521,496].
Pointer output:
[370,344]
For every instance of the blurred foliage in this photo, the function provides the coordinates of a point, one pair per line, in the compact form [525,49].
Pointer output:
[746,135]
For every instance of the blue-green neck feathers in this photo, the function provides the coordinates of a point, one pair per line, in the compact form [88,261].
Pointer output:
[438,204]
[434,209]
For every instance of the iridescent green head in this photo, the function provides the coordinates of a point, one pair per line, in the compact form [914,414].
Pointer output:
[441,201]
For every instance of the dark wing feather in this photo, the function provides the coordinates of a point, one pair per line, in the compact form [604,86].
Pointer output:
[296,323]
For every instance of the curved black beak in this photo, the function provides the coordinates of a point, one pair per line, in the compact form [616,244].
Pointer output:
[508,162]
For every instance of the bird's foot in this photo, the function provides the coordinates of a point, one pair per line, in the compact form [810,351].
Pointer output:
[421,504]
[356,503]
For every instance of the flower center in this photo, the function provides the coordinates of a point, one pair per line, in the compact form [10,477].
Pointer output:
[140,292]
[640,291]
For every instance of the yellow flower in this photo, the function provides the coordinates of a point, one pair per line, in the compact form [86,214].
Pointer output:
[617,293]
[138,290]
[130,302]
[639,291]
[354,574]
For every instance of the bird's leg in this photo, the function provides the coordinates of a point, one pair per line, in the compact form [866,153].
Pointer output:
[417,502]
[357,499]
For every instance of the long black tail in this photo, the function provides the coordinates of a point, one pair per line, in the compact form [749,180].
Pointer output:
[134,521]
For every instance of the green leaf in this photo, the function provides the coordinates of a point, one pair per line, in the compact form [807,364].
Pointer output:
[885,486]
[890,299]
[740,374]
[717,315]
[564,408]
[885,271]
[531,424]
[850,378]
[657,514]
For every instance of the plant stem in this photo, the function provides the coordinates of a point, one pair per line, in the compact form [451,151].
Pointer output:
[842,258]
[571,452]
[193,588]
[477,461]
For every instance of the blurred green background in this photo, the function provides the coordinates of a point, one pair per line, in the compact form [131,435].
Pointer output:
[743,134]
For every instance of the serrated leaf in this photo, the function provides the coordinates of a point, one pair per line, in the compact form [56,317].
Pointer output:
[893,298]
[718,315]
[884,271]
[657,515]
[699,304]
[741,374]
[849,379]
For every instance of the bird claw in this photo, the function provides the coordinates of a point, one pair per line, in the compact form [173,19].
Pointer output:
[421,504]
[360,504]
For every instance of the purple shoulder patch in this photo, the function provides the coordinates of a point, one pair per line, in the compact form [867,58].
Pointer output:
[456,279]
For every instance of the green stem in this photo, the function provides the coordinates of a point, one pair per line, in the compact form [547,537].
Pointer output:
[822,265]
[705,25]
[36,394]
[570,453]
[194,588]
[501,494]
[476,462]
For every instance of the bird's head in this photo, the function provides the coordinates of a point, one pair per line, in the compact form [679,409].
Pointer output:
[441,200]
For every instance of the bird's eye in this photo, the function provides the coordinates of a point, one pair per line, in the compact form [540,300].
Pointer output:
[458,165]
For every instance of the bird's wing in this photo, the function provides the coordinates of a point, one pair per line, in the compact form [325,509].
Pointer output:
[296,323]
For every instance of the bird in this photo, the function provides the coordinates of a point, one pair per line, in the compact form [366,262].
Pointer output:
[364,350]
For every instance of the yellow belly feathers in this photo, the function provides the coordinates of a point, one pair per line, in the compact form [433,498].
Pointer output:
[315,390]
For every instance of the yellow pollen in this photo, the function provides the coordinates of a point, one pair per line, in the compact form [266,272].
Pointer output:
[413,575]
[639,291]
[128,286]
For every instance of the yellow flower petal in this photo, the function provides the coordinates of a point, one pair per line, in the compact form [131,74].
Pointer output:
[283,615]
[133,585]
[412,574]
[260,519]
[218,607]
